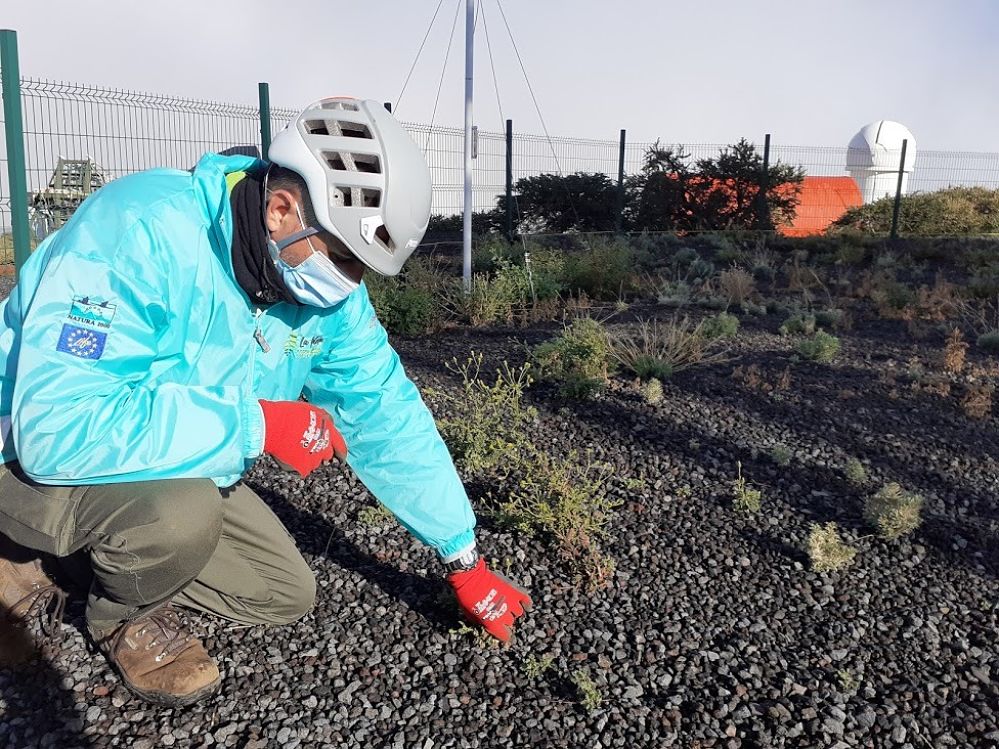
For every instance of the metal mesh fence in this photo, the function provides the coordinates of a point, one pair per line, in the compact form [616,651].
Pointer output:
[126,131]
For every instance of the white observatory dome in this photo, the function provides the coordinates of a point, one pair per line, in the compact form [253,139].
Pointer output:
[874,156]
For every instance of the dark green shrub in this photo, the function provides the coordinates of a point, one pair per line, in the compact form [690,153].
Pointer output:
[800,323]
[821,347]
[579,360]
[829,319]
[603,270]
[989,342]
[722,325]
[951,211]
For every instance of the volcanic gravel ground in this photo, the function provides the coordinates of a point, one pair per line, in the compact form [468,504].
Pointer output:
[714,631]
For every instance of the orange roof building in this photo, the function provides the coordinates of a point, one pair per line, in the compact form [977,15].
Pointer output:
[822,200]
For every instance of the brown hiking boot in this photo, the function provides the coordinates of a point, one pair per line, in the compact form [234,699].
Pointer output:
[26,592]
[160,661]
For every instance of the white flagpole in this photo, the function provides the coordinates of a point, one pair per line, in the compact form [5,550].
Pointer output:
[467,216]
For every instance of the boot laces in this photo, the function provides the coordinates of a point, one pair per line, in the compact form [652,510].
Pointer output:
[47,603]
[169,633]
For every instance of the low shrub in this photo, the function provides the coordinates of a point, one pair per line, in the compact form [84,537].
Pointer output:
[722,325]
[947,212]
[673,293]
[894,511]
[977,401]
[652,348]
[490,421]
[989,342]
[589,695]
[954,353]
[830,319]
[493,297]
[603,269]
[566,501]
[781,455]
[821,347]
[800,323]
[826,549]
[652,392]
[745,498]
[579,360]
[737,285]
[855,472]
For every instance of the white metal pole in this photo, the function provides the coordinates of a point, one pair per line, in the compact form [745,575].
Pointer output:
[467,216]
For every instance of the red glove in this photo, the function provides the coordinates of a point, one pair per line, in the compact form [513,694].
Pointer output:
[489,599]
[300,436]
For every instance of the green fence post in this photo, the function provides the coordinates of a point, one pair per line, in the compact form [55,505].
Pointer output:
[764,203]
[898,191]
[14,129]
[264,94]
[619,217]
[508,222]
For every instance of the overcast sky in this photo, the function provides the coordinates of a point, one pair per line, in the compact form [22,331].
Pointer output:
[811,73]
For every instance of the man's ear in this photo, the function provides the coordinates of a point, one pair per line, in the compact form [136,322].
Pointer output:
[280,203]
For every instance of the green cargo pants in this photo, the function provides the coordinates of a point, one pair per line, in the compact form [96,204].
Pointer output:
[141,544]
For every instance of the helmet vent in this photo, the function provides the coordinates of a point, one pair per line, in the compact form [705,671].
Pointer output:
[339,104]
[354,130]
[356,197]
[381,233]
[344,161]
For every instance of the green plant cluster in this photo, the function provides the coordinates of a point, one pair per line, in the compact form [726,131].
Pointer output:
[952,211]
[491,418]
[657,349]
[563,500]
[579,360]
[826,549]
[821,347]
[894,511]
[722,325]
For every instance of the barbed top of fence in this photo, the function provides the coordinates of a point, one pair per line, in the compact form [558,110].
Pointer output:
[44,88]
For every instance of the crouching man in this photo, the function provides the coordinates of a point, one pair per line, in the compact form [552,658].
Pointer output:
[158,344]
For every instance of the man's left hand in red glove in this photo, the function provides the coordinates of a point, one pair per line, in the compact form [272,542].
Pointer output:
[489,598]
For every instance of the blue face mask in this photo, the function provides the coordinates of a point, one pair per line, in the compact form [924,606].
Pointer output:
[315,281]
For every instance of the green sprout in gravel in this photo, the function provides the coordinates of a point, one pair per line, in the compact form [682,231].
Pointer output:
[894,511]
[847,681]
[781,455]
[826,549]
[374,515]
[589,695]
[855,472]
[745,498]
[535,668]
[821,347]
[579,359]
[652,391]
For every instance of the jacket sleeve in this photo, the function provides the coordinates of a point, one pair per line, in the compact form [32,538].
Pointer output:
[392,441]
[83,409]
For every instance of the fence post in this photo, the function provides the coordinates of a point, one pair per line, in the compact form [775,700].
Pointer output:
[620,183]
[264,94]
[508,226]
[898,192]
[14,130]
[764,207]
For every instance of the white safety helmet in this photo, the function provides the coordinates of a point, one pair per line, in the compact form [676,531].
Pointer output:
[368,180]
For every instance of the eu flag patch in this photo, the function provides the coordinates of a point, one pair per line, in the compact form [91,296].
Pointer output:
[87,344]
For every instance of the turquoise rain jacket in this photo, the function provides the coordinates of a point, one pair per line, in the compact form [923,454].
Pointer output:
[130,353]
